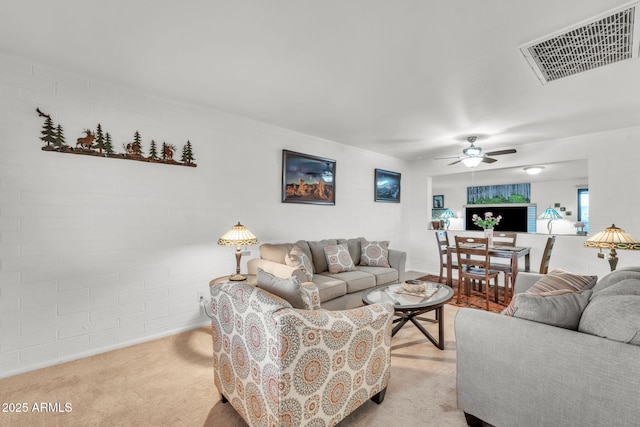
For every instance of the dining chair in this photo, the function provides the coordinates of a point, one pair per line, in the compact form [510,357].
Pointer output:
[544,262]
[546,255]
[505,238]
[442,238]
[508,239]
[474,265]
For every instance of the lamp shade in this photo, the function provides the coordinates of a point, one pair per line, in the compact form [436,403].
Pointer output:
[447,213]
[472,162]
[239,235]
[612,238]
[550,213]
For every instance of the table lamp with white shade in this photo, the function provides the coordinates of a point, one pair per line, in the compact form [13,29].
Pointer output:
[612,238]
[238,236]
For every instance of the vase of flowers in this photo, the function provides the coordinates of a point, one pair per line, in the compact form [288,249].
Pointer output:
[487,223]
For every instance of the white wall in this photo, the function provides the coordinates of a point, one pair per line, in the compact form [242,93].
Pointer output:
[100,253]
[613,159]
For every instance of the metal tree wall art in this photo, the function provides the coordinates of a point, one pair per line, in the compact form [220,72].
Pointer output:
[99,143]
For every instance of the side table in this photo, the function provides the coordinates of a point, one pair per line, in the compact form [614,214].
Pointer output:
[251,280]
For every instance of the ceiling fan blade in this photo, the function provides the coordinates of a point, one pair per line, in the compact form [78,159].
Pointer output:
[488,160]
[457,161]
[500,152]
[448,157]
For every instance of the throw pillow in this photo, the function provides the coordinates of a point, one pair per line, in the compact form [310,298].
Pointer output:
[297,258]
[287,289]
[562,308]
[355,248]
[560,279]
[375,253]
[556,280]
[338,259]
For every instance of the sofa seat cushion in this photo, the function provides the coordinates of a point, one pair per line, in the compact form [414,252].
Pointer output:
[329,287]
[614,313]
[383,275]
[355,280]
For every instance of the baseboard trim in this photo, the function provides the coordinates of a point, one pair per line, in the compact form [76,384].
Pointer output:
[78,356]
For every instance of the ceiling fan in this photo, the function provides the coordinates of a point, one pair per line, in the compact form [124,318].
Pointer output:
[473,155]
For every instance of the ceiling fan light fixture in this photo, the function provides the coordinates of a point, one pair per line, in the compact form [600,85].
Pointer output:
[472,162]
[472,151]
[533,170]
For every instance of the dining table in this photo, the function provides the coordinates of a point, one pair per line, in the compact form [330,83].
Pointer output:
[511,252]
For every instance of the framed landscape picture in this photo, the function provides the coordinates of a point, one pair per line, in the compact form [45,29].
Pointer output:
[387,186]
[308,179]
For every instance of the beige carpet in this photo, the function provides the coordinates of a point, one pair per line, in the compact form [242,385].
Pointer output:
[169,382]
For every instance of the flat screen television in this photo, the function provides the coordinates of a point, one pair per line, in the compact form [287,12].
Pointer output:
[521,218]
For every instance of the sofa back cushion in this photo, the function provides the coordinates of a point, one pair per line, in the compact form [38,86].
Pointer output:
[614,313]
[317,254]
[275,252]
[615,277]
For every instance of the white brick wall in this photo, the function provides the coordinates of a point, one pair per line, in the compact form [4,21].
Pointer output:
[97,254]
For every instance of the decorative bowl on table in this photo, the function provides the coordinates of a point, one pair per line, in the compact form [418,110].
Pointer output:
[414,286]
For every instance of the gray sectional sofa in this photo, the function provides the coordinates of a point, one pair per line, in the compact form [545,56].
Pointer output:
[517,372]
[338,291]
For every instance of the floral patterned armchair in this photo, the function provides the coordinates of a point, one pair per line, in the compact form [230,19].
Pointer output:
[281,366]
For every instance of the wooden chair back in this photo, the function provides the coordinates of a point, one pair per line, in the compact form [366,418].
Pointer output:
[473,264]
[504,238]
[546,255]
[473,254]
[443,242]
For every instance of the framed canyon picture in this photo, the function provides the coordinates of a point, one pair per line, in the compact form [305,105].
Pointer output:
[387,186]
[308,179]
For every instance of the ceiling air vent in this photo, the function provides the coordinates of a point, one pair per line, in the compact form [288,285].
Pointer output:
[601,41]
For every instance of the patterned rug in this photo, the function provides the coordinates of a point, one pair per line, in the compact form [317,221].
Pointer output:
[476,300]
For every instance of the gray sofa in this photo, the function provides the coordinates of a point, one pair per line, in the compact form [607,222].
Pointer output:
[338,291]
[517,372]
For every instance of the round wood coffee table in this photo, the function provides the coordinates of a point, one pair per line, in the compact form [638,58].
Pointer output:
[409,307]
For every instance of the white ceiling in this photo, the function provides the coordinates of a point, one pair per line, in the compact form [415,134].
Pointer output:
[408,78]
